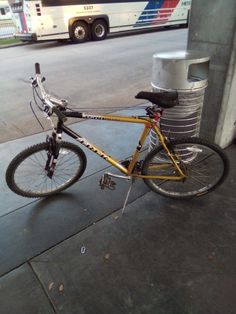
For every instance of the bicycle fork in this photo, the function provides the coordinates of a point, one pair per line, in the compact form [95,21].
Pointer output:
[52,153]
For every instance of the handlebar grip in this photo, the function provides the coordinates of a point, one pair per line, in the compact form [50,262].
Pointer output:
[60,115]
[37,68]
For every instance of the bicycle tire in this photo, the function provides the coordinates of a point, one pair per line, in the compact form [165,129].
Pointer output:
[198,170]
[36,157]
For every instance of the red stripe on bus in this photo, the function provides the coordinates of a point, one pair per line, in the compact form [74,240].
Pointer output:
[23,22]
[164,16]
[174,4]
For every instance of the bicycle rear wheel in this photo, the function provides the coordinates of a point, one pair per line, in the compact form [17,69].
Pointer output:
[205,165]
[26,174]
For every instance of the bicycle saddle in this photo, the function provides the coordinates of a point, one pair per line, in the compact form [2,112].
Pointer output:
[162,99]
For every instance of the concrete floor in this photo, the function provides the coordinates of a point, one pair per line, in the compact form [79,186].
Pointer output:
[76,253]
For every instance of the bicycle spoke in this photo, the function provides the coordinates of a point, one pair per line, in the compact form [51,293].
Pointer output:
[200,174]
[162,182]
[196,180]
[205,158]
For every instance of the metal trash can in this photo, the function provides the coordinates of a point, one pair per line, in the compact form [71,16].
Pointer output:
[187,73]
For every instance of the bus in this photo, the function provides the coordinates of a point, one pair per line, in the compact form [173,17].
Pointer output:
[5,12]
[82,20]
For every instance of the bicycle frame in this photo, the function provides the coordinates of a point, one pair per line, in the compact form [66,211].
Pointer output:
[149,123]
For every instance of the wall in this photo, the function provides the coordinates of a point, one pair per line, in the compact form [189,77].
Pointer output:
[213,30]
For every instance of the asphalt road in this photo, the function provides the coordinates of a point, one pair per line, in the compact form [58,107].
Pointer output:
[95,74]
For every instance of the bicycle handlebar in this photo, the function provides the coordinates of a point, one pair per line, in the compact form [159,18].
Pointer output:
[37,68]
[52,102]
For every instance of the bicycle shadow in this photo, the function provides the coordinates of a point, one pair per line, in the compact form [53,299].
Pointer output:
[55,201]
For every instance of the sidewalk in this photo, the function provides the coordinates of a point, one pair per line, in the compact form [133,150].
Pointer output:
[76,253]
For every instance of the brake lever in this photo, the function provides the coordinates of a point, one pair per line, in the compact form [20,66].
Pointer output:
[47,110]
[33,81]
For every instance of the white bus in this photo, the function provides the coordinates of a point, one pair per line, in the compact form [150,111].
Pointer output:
[81,20]
[5,12]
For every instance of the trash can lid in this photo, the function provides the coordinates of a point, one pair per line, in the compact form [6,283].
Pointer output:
[180,70]
[193,55]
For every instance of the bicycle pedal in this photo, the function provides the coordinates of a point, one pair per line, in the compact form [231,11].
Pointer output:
[106,182]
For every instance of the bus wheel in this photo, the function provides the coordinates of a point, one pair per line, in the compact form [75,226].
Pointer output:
[99,30]
[79,32]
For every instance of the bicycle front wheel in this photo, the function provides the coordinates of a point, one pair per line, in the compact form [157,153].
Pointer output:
[205,165]
[26,174]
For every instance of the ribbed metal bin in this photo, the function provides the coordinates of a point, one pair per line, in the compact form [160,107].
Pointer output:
[187,73]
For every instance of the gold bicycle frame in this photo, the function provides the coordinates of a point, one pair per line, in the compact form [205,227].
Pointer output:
[149,124]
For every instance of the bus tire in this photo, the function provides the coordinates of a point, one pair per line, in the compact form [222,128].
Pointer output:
[99,30]
[79,32]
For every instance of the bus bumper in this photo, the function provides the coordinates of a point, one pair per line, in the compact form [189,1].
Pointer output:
[26,37]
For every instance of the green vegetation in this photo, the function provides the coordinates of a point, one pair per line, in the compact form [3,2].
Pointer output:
[9,41]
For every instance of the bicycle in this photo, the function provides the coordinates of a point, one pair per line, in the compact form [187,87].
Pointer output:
[180,168]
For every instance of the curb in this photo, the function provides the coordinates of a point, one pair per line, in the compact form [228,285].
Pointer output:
[13,45]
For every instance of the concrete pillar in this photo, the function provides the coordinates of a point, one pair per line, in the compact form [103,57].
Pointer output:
[212,30]
[226,126]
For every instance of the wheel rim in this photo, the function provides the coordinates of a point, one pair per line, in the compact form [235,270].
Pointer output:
[79,33]
[99,30]
[203,166]
[30,175]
